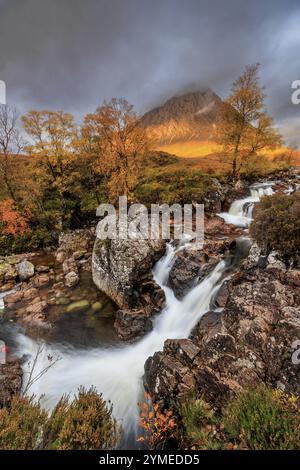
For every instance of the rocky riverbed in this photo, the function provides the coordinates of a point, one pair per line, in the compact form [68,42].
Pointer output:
[247,338]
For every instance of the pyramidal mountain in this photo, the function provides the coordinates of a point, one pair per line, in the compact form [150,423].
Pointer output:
[191,116]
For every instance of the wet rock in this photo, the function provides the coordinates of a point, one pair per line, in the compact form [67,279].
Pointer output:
[10,274]
[118,266]
[60,256]
[222,296]
[183,349]
[213,199]
[37,307]
[25,270]
[79,306]
[42,269]
[216,226]
[6,287]
[13,298]
[79,254]
[151,296]
[132,324]
[214,247]
[240,185]
[30,293]
[71,279]
[273,261]
[292,277]
[187,271]
[97,306]
[70,265]
[41,280]
[163,375]
[209,325]
[248,343]
[10,381]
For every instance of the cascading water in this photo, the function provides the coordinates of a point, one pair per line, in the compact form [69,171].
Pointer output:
[118,372]
[240,212]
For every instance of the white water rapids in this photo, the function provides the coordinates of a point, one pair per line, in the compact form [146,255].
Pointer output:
[240,212]
[118,372]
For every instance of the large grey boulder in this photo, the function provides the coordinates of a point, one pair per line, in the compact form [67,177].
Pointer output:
[25,270]
[119,267]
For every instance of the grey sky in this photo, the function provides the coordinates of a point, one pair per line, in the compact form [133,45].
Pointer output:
[73,54]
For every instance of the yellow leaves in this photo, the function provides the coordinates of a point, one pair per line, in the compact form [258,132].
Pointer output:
[114,135]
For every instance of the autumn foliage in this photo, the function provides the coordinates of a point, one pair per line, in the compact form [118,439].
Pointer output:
[158,427]
[12,222]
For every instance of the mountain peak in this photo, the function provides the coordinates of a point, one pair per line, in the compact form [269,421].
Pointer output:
[183,117]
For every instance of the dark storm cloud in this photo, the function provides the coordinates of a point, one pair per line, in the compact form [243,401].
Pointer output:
[73,54]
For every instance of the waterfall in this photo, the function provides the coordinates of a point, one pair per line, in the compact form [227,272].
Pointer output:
[118,372]
[240,212]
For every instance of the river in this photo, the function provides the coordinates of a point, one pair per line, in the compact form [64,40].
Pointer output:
[117,370]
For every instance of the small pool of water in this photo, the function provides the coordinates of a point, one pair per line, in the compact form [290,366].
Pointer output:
[85,327]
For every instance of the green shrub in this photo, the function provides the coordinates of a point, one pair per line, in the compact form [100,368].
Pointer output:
[21,425]
[86,423]
[38,237]
[276,224]
[171,185]
[199,424]
[263,419]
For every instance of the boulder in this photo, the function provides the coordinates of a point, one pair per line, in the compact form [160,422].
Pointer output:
[71,279]
[118,266]
[132,324]
[222,296]
[188,269]
[78,306]
[97,306]
[41,280]
[25,270]
[214,198]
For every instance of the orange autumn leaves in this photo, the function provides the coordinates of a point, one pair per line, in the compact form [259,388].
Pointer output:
[158,426]
[12,222]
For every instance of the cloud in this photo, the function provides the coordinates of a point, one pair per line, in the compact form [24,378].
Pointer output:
[70,54]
